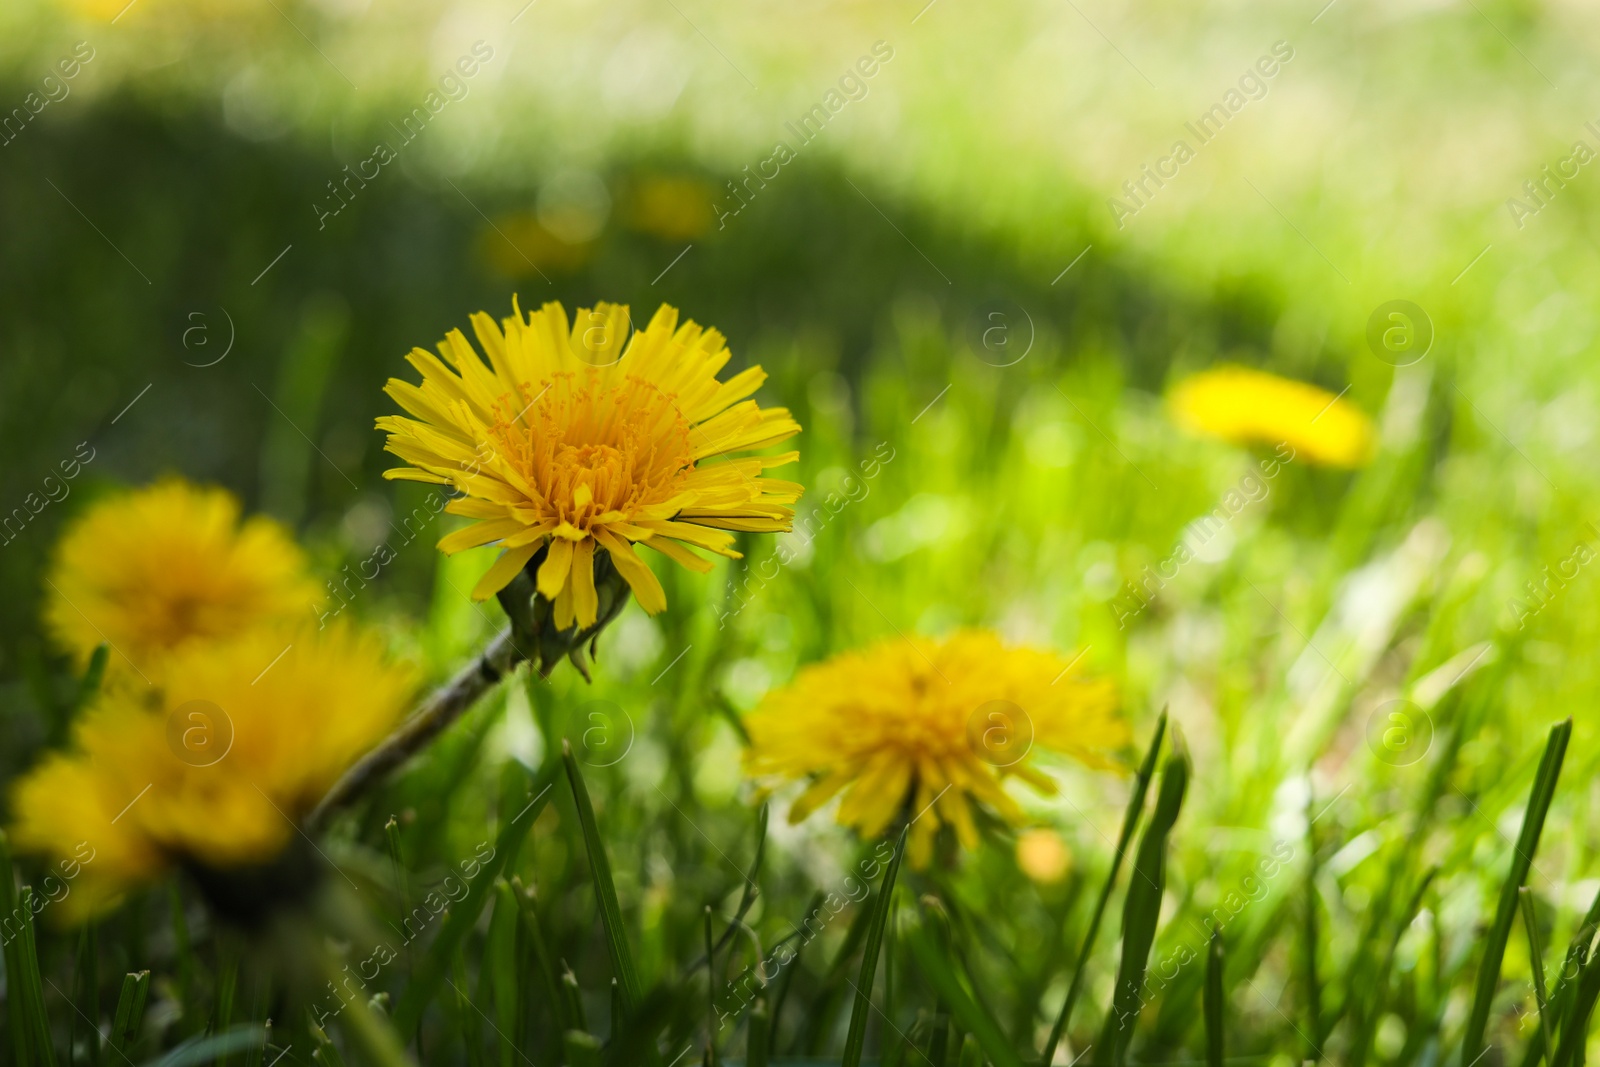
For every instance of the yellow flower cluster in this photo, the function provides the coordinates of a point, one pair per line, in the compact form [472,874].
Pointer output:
[223,721]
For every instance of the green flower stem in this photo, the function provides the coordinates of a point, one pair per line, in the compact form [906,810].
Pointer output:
[442,707]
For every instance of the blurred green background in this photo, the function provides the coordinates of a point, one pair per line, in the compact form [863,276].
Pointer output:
[939,271]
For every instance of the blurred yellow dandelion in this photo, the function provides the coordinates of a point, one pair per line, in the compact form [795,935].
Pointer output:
[518,245]
[212,770]
[1248,406]
[671,207]
[154,570]
[1042,855]
[924,730]
[578,441]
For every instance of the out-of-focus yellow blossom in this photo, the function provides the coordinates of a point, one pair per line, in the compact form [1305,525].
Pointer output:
[1042,855]
[1248,407]
[211,770]
[156,570]
[671,207]
[518,246]
[924,730]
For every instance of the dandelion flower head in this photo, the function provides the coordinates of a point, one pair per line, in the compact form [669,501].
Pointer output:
[927,731]
[158,569]
[578,439]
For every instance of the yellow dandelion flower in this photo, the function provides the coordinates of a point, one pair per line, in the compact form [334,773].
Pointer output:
[157,569]
[212,770]
[577,441]
[1247,406]
[926,730]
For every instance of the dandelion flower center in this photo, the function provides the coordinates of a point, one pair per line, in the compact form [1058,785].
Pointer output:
[588,450]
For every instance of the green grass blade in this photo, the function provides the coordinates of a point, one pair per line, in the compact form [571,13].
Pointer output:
[856,1037]
[582,1050]
[971,1052]
[1572,966]
[227,990]
[937,972]
[501,961]
[605,889]
[213,1049]
[1141,911]
[21,1024]
[542,961]
[1130,821]
[748,897]
[93,675]
[29,983]
[758,1036]
[327,1052]
[435,964]
[1575,1024]
[711,992]
[939,1040]
[88,994]
[1367,1032]
[129,1017]
[1544,788]
[1214,1001]
[1536,963]
[572,997]
[1310,939]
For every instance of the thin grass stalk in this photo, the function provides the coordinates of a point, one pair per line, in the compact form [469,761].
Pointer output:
[1544,788]
[1141,911]
[965,1010]
[711,992]
[435,964]
[1571,969]
[856,1037]
[758,1036]
[605,888]
[1130,821]
[128,1018]
[1309,938]
[1368,1032]
[1536,962]
[1214,1001]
